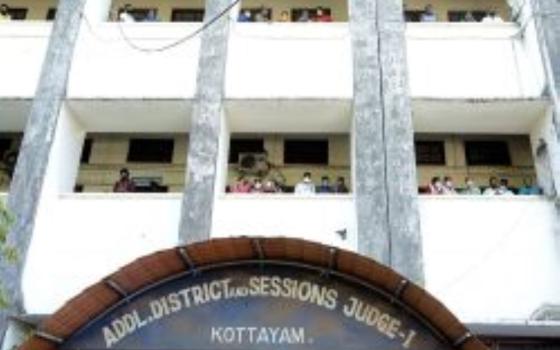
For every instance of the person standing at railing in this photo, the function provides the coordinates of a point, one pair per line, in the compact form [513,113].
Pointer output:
[306,185]
[5,13]
[340,186]
[471,188]
[492,17]
[245,16]
[125,183]
[428,15]
[435,186]
[448,186]
[304,16]
[325,186]
[125,15]
[322,16]
[284,16]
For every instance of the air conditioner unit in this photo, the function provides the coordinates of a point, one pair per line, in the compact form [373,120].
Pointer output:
[253,164]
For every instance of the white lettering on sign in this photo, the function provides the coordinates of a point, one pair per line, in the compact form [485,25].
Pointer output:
[257,286]
[257,335]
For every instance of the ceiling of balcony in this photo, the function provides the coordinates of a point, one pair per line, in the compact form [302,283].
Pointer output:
[288,116]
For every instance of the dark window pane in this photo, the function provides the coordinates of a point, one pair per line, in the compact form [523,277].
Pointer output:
[187,15]
[430,153]
[306,152]
[18,14]
[413,15]
[238,146]
[51,14]
[487,153]
[150,150]
[86,151]
[459,16]
[5,146]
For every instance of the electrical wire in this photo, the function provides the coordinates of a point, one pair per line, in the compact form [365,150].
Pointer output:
[172,45]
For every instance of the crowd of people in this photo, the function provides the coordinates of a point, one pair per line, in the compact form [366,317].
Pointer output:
[496,187]
[304,187]
[491,16]
[305,15]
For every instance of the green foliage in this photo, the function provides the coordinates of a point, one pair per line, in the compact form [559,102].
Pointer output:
[7,253]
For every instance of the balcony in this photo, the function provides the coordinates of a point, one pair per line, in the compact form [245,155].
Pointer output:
[488,258]
[275,60]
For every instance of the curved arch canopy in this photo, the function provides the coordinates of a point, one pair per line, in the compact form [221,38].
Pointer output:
[253,294]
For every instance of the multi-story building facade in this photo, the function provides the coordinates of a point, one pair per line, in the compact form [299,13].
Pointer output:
[147,96]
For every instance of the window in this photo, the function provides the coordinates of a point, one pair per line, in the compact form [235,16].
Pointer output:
[51,14]
[413,15]
[312,11]
[306,152]
[487,153]
[140,14]
[86,151]
[187,15]
[430,153]
[18,14]
[459,16]
[238,146]
[150,150]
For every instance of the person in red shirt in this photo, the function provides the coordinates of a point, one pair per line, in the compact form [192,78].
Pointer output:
[125,183]
[321,16]
[243,185]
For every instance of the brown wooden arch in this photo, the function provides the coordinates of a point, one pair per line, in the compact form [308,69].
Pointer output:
[148,270]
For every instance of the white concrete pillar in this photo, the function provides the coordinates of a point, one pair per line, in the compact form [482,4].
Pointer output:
[98,10]
[546,153]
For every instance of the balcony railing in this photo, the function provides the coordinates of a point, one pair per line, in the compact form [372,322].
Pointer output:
[487,258]
[276,60]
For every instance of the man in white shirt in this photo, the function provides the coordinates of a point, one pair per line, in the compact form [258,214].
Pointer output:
[125,15]
[306,185]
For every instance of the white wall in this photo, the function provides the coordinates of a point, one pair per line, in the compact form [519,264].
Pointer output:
[23,46]
[276,60]
[85,238]
[471,60]
[488,259]
[107,66]
[289,60]
[491,259]
[316,218]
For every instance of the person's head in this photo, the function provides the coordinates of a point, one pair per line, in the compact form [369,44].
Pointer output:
[493,182]
[448,181]
[247,13]
[270,184]
[325,180]
[258,183]
[4,9]
[307,176]
[284,17]
[469,182]
[127,8]
[492,13]
[340,180]
[125,174]
[504,182]
[429,9]
[435,180]
[319,11]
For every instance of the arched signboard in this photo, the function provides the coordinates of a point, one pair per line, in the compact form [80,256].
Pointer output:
[249,294]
